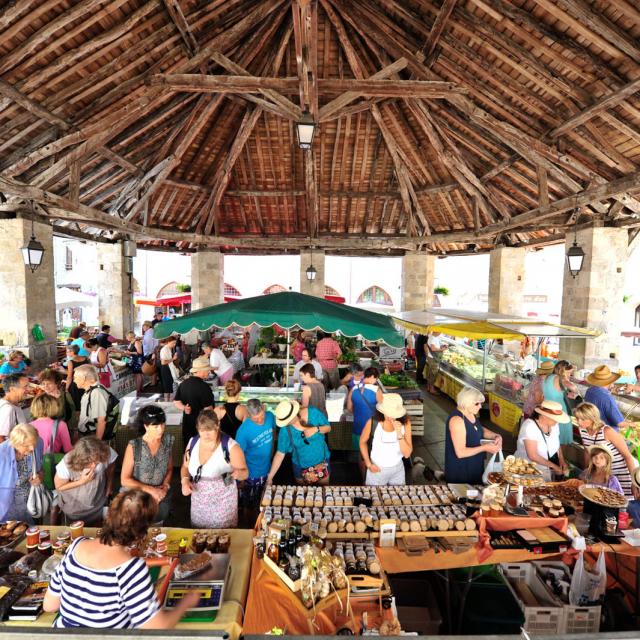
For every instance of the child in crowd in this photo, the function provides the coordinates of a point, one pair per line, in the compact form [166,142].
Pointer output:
[599,470]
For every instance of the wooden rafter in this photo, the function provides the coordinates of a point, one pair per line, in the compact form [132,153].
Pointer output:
[181,24]
[437,28]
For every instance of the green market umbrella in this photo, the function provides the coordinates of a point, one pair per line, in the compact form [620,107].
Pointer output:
[288,310]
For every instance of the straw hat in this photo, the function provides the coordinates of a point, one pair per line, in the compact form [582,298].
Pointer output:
[635,478]
[200,364]
[602,376]
[391,406]
[546,368]
[599,448]
[552,410]
[286,411]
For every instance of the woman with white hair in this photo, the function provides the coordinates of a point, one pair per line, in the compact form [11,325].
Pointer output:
[464,452]
[18,454]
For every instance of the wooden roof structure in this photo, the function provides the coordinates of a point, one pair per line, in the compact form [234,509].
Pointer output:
[442,125]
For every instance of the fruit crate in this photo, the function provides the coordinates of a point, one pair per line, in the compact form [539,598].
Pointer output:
[547,616]
[415,411]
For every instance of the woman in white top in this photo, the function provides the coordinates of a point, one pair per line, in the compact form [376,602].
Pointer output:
[390,431]
[219,364]
[539,440]
[168,370]
[212,463]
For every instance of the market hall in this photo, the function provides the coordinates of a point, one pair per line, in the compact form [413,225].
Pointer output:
[293,462]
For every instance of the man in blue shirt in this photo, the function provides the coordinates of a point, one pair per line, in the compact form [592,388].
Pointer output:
[255,437]
[84,336]
[599,394]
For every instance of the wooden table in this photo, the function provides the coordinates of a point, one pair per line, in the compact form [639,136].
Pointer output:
[230,616]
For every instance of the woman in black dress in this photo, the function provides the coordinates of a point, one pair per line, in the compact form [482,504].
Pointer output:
[74,360]
[134,349]
[232,413]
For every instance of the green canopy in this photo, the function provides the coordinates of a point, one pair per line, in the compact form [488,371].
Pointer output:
[288,310]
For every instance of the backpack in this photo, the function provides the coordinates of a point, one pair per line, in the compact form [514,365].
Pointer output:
[112,415]
[224,441]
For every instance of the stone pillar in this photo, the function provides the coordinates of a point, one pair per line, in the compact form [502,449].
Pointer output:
[315,287]
[506,280]
[594,299]
[115,288]
[27,299]
[207,278]
[418,270]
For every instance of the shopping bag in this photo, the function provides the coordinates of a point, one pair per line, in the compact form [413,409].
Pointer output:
[588,588]
[494,465]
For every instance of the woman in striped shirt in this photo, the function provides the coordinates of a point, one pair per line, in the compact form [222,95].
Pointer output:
[98,584]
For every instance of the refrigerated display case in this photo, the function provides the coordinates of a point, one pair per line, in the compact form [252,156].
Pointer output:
[269,396]
[466,364]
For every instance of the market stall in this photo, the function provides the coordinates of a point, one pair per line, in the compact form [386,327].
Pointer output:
[229,613]
[370,533]
[469,359]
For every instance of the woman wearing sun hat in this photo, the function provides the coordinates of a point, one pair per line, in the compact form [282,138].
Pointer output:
[301,434]
[599,393]
[539,440]
[593,431]
[390,433]
[536,395]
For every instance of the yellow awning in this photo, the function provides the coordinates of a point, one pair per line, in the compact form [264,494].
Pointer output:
[472,330]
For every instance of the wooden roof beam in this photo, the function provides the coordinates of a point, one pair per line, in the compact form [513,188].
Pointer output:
[330,109]
[368,87]
[437,28]
[177,17]
[603,104]
[210,213]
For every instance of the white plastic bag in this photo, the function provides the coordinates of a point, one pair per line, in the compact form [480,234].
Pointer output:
[494,465]
[588,588]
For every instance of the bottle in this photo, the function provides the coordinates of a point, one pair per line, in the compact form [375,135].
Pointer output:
[291,546]
[623,519]
[283,562]
[272,551]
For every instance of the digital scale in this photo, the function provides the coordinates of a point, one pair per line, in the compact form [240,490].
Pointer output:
[210,583]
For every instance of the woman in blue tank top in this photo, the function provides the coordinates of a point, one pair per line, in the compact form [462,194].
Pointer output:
[464,454]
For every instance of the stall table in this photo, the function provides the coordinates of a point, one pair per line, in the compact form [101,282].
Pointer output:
[230,615]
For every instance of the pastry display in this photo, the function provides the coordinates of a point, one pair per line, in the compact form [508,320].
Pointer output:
[11,531]
[603,496]
[191,565]
[519,466]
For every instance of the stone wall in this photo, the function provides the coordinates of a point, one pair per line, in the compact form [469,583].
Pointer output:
[27,299]
[594,299]
[207,279]
[418,270]
[115,289]
[315,287]
[506,281]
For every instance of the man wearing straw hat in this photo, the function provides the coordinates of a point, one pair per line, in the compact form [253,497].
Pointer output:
[599,393]
[192,396]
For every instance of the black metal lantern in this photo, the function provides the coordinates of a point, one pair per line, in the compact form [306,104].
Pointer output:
[575,255]
[311,270]
[306,129]
[33,252]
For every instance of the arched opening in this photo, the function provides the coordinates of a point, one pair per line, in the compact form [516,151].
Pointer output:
[274,288]
[375,295]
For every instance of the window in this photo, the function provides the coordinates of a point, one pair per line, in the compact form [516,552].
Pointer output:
[375,295]
[636,341]
[68,259]
[274,288]
[330,291]
[230,290]
[169,289]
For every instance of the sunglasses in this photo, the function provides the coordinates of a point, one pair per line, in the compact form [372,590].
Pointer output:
[198,475]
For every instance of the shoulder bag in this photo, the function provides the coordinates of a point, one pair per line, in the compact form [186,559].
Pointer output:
[51,459]
[316,474]
[40,498]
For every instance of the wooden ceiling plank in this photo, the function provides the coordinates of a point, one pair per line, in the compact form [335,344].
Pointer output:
[223,175]
[543,187]
[177,17]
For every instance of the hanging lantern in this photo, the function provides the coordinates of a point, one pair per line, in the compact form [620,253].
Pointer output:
[33,252]
[306,129]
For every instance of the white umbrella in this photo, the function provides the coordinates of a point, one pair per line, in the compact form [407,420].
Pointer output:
[68,298]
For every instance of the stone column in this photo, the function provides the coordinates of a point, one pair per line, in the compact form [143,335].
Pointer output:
[594,299]
[115,288]
[418,270]
[27,299]
[315,287]
[207,278]
[506,280]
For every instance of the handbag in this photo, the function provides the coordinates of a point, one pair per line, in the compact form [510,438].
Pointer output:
[149,367]
[50,460]
[40,498]
[495,465]
[310,475]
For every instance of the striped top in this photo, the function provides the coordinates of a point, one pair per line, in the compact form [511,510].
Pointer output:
[118,598]
[618,464]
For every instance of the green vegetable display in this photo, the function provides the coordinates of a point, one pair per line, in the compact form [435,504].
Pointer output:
[397,380]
